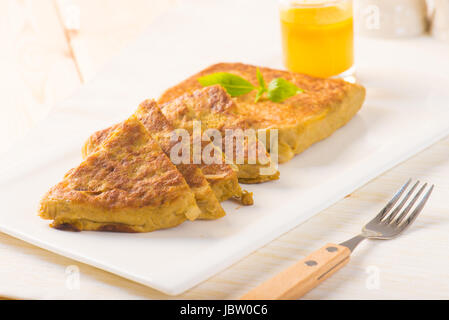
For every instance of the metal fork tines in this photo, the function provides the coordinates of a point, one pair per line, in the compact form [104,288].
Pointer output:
[391,221]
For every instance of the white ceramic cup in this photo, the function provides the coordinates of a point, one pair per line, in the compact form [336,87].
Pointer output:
[391,18]
[440,20]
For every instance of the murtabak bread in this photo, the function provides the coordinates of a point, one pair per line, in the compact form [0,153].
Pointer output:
[302,120]
[127,185]
[210,183]
[215,109]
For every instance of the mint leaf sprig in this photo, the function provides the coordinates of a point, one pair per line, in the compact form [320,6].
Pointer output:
[262,86]
[278,89]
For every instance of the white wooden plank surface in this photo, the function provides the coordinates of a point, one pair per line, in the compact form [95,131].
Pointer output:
[37,69]
[382,270]
[97,30]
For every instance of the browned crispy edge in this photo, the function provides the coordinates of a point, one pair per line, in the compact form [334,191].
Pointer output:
[114,227]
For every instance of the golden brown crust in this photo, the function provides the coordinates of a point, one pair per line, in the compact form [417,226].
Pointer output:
[302,120]
[128,181]
[161,129]
[157,125]
[214,173]
[210,105]
[129,171]
[95,140]
[319,94]
[216,110]
[221,177]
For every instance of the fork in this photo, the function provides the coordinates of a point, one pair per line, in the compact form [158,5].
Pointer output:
[309,272]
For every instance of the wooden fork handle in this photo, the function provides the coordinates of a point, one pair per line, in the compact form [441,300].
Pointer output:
[300,278]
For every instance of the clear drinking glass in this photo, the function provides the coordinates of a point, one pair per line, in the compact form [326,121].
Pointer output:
[318,37]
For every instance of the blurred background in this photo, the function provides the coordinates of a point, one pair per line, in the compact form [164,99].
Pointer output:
[51,47]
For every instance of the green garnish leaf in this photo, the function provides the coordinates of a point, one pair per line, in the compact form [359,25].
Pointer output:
[233,84]
[262,86]
[280,89]
[259,94]
[261,80]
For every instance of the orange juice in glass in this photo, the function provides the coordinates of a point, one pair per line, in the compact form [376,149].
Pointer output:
[318,37]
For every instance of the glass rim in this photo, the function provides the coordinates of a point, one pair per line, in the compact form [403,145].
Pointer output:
[318,4]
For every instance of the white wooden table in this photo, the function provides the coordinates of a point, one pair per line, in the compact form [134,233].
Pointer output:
[47,53]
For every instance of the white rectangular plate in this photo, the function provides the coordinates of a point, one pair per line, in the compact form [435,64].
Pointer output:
[406,110]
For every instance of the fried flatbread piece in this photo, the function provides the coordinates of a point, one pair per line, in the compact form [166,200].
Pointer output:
[210,183]
[302,120]
[160,129]
[215,109]
[127,185]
